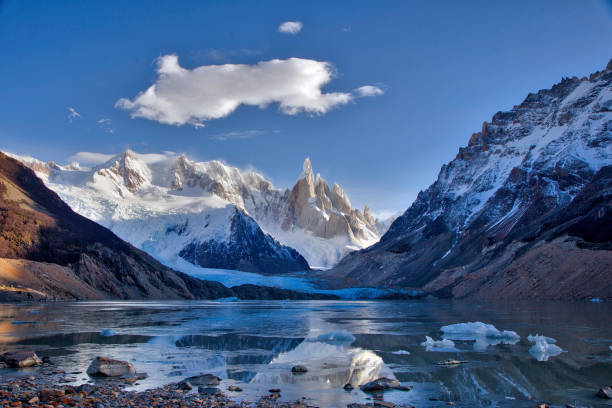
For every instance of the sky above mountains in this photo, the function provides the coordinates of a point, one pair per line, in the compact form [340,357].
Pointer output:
[378,95]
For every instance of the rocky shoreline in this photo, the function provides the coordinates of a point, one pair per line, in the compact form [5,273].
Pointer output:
[49,388]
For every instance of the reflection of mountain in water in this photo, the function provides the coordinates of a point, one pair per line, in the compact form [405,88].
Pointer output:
[242,353]
[331,362]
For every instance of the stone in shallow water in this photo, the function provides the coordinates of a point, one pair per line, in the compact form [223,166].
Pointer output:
[107,367]
[206,379]
[380,384]
[605,392]
[17,359]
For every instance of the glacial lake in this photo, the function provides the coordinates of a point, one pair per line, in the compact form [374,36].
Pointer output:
[254,344]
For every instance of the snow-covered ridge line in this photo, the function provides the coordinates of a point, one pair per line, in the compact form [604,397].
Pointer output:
[163,202]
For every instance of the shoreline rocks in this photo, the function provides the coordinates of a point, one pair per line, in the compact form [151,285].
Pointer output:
[20,359]
[107,367]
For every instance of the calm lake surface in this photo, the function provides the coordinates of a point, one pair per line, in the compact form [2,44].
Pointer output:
[255,344]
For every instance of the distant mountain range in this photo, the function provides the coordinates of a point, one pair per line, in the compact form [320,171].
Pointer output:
[523,211]
[214,215]
[47,251]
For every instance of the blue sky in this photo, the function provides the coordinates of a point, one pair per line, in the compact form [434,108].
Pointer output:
[444,68]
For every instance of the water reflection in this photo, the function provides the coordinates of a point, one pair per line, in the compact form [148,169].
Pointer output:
[255,344]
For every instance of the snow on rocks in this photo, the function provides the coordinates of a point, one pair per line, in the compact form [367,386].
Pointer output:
[482,334]
[444,345]
[544,347]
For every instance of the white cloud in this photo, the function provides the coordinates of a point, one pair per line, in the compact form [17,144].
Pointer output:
[106,125]
[93,159]
[72,114]
[290,27]
[368,90]
[236,135]
[90,158]
[191,96]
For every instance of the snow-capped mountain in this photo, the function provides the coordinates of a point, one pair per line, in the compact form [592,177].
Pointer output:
[214,215]
[501,197]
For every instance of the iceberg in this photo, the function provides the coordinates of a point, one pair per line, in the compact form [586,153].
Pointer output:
[443,345]
[403,352]
[483,334]
[544,347]
[108,333]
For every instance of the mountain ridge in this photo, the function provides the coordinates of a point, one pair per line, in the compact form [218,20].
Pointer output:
[48,251]
[496,197]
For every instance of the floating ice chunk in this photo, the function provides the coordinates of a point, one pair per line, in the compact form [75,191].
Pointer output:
[337,337]
[403,352]
[534,339]
[544,347]
[228,299]
[443,345]
[108,333]
[483,334]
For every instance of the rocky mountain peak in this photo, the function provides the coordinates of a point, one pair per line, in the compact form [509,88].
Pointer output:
[126,169]
[498,194]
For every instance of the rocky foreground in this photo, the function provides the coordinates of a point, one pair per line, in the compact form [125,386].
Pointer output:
[50,388]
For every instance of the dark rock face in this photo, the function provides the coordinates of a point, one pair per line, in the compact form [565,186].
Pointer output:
[248,249]
[529,177]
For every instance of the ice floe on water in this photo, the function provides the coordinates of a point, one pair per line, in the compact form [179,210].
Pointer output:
[444,345]
[544,347]
[228,299]
[483,335]
[400,352]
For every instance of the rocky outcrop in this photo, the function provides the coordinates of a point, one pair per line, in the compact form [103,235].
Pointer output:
[498,207]
[128,168]
[248,248]
[326,212]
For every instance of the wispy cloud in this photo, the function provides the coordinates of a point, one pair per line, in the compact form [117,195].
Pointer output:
[72,114]
[237,135]
[106,125]
[225,54]
[192,96]
[90,158]
[368,90]
[290,27]
[347,29]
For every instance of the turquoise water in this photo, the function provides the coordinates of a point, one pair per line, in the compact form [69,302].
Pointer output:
[255,344]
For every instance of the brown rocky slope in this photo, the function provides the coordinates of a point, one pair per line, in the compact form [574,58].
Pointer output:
[523,211]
